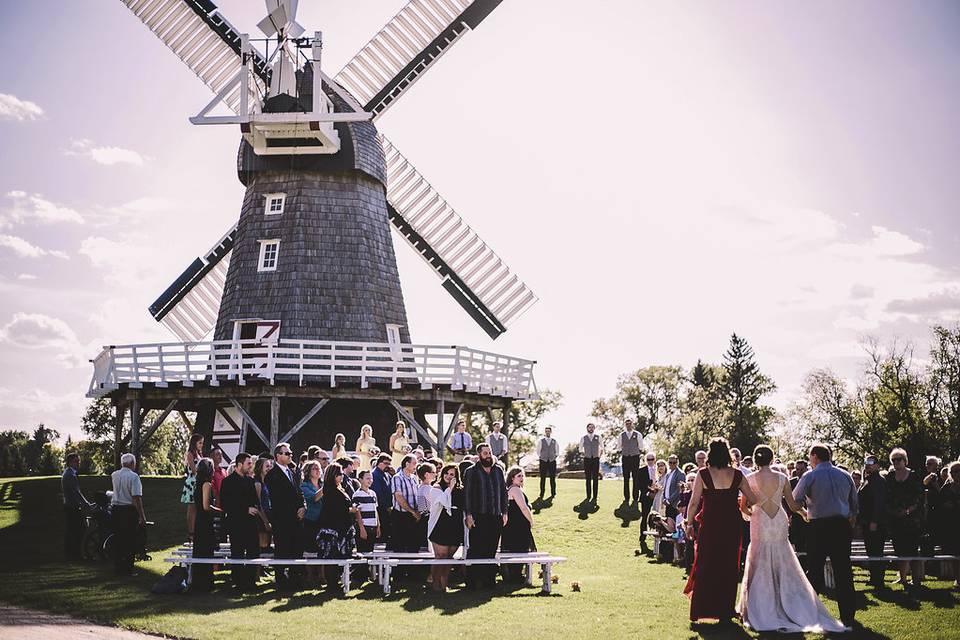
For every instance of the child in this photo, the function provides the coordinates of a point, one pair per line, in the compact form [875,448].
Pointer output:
[365,500]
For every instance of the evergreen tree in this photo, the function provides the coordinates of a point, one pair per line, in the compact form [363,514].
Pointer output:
[743,386]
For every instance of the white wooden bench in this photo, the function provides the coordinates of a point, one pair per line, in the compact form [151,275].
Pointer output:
[386,563]
[344,564]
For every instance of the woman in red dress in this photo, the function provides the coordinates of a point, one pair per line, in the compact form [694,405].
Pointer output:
[716,529]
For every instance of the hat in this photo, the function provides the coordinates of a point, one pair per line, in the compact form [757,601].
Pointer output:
[870,460]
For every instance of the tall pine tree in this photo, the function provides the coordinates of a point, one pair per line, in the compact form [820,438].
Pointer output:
[743,386]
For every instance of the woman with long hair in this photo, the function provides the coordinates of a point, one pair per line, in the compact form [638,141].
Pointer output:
[192,455]
[336,534]
[517,536]
[205,539]
[339,448]
[398,442]
[366,444]
[445,526]
[260,470]
[712,586]
[312,490]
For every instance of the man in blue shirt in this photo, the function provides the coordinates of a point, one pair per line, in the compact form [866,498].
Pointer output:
[462,443]
[74,503]
[831,500]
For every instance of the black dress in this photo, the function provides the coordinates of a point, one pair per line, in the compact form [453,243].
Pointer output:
[204,543]
[516,538]
[448,531]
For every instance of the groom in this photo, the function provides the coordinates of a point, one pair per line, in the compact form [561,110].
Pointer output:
[831,500]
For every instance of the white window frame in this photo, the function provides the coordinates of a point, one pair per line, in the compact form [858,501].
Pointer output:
[393,334]
[264,244]
[268,200]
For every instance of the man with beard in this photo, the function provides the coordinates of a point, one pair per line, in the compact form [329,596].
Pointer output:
[485,507]
[873,510]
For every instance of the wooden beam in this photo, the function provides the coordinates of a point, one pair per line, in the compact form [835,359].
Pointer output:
[453,422]
[248,420]
[274,421]
[118,434]
[413,422]
[135,418]
[505,428]
[441,441]
[155,425]
[304,420]
[186,420]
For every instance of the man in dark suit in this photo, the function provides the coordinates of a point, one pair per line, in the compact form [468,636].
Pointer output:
[238,499]
[647,481]
[873,515]
[798,528]
[286,511]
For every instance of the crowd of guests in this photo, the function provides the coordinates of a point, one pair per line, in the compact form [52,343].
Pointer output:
[918,512]
[341,503]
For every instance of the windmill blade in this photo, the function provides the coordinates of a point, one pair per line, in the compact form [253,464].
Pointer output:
[472,272]
[203,39]
[190,305]
[401,52]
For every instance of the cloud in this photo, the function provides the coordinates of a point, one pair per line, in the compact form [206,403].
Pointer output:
[40,331]
[129,261]
[932,304]
[34,208]
[109,156]
[15,109]
[25,408]
[25,249]
[861,291]
[26,276]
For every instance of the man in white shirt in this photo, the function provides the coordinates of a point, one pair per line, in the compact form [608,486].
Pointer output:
[498,443]
[630,443]
[591,446]
[127,511]
[547,452]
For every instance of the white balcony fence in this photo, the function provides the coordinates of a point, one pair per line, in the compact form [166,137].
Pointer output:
[311,361]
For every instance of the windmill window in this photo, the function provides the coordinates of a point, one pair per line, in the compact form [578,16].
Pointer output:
[274,203]
[269,255]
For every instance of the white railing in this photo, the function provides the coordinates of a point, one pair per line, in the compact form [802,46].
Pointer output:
[307,361]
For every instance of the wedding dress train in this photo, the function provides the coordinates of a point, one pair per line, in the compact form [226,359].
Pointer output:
[775,594]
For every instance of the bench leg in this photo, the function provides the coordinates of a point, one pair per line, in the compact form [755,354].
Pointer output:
[546,577]
[828,580]
[530,575]
[386,579]
[346,579]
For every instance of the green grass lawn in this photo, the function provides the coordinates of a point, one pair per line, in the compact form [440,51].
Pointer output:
[623,596]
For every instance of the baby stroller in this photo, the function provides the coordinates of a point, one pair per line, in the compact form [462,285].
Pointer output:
[98,533]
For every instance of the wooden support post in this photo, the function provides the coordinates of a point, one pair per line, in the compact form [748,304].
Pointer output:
[118,434]
[505,428]
[413,422]
[274,421]
[441,431]
[135,419]
[248,421]
[186,420]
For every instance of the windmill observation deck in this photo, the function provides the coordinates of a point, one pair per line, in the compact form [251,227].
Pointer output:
[312,363]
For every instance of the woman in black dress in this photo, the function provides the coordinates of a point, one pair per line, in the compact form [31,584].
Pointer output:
[905,511]
[948,503]
[336,533]
[517,536]
[204,538]
[445,527]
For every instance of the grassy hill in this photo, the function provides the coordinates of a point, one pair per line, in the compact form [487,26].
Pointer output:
[622,595]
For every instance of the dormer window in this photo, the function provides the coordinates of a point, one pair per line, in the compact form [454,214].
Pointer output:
[269,255]
[274,203]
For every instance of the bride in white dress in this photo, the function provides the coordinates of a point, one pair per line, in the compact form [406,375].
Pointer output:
[775,595]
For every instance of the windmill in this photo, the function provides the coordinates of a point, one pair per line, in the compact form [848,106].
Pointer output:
[302,295]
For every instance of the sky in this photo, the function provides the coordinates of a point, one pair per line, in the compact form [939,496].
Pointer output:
[661,174]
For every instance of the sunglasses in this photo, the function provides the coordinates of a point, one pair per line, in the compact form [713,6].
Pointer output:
[899,459]
[284,453]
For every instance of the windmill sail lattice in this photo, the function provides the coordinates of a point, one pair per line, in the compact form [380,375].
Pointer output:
[203,39]
[407,46]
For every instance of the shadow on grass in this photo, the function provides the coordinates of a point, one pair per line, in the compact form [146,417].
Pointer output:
[585,508]
[540,504]
[912,598]
[627,513]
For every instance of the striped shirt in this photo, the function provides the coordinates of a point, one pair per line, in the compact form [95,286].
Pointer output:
[366,502]
[407,487]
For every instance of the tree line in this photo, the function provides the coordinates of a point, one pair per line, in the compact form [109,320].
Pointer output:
[898,401]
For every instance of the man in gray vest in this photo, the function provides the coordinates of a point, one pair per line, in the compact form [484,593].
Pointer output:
[591,447]
[630,443]
[547,452]
[498,443]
